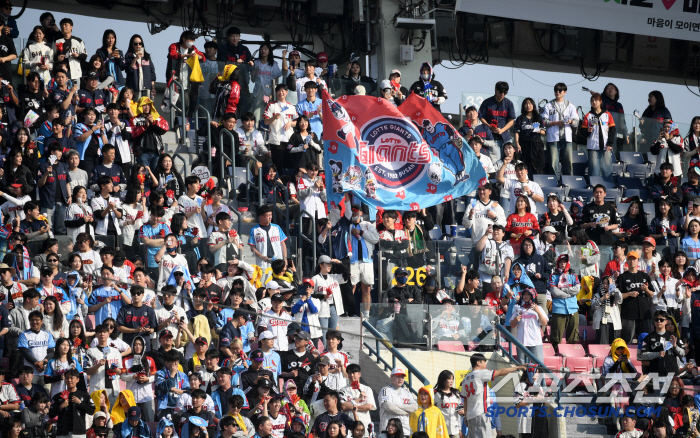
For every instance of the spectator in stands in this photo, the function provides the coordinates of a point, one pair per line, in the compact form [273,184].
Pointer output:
[635,310]
[178,55]
[71,407]
[267,239]
[606,306]
[691,143]
[496,256]
[69,48]
[536,268]
[498,114]
[667,291]
[600,218]
[112,57]
[652,118]
[528,137]
[560,117]
[54,189]
[527,318]
[508,150]
[300,85]
[473,126]
[662,360]
[618,361]
[140,71]
[329,275]
[227,91]
[148,127]
[106,209]
[633,225]
[668,148]
[396,403]
[281,118]
[428,415]
[522,186]
[556,217]
[521,224]
[232,51]
[599,128]
[564,286]
[690,245]
[476,143]
[618,264]
[405,294]
[483,213]
[304,146]
[650,258]
[354,78]
[119,135]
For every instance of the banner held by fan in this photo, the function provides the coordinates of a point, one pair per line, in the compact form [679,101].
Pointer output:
[405,158]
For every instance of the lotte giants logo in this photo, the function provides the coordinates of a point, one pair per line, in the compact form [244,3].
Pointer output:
[395,151]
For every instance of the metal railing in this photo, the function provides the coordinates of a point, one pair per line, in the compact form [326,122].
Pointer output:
[276,209]
[252,162]
[222,155]
[184,163]
[183,133]
[302,238]
[395,355]
[196,127]
[238,223]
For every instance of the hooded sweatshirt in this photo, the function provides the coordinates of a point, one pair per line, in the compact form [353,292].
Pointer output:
[431,89]
[430,419]
[564,286]
[118,413]
[162,424]
[613,364]
[516,285]
[140,392]
[74,293]
[535,264]
[95,396]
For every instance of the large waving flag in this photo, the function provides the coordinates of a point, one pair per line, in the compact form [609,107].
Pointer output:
[404,158]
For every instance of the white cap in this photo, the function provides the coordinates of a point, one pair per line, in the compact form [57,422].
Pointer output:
[383,85]
[398,372]
[267,334]
[272,285]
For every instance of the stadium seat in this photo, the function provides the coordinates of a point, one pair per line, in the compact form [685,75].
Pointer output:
[618,169]
[579,365]
[435,233]
[606,181]
[560,191]
[546,180]
[613,195]
[450,346]
[586,194]
[460,206]
[649,209]
[580,168]
[572,350]
[622,208]
[630,183]
[555,363]
[642,193]
[579,157]
[573,181]
[628,157]
[638,170]
[651,158]
[548,349]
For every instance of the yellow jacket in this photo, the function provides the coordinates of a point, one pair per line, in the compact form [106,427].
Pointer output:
[118,414]
[428,420]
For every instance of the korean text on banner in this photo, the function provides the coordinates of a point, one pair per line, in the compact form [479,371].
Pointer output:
[405,158]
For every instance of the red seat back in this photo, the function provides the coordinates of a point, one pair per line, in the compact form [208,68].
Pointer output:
[572,350]
[450,346]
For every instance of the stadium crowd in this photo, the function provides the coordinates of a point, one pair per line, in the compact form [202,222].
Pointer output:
[154,325]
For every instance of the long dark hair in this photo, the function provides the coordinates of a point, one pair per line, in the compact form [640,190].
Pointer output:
[674,266]
[32,37]
[690,131]
[442,379]
[640,206]
[146,55]
[308,124]
[81,335]
[107,33]
[176,223]
[660,102]
[57,355]
[617,91]
[399,428]
[131,196]
[159,166]
[115,333]
[57,323]
[9,426]
[29,137]
[535,111]
[102,71]
[270,58]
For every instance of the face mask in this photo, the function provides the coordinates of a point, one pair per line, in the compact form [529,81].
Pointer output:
[356,219]
[171,250]
[189,44]
[425,76]
[402,280]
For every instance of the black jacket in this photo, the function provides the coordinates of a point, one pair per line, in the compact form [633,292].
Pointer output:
[158,357]
[72,418]
[403,294]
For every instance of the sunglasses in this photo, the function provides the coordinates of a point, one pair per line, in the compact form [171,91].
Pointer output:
[138,43]
[52,260]
[659,320]
[558,90]
[137,293]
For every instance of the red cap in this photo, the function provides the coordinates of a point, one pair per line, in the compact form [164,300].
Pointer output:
[651,240]
[294,52]
[309,281]
[322,57]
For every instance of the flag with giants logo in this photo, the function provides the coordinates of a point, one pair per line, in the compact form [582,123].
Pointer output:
[404,158]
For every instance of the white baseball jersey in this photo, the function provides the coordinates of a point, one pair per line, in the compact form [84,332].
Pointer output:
[12,293]
[515,189]
[474,392]
[188,205]
[400,396]
[38,344]
[278,326]
[348,394]
[278,425]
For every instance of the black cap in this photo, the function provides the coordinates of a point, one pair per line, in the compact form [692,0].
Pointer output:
[24,433]
[120,256]
[257,355]
[277,297]
[303,335]
[264,383]
[92,75]
[293,328]
[165,333]
[400,271]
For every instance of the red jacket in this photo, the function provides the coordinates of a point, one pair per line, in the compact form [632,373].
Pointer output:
[518,225]
[233,98]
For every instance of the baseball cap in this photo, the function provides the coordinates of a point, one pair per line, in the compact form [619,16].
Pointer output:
[650,240]
[257,355]
[398,372]
[294,52]
[165,333]
[272,284]
[324,259]
[400,271]
[120,256]
[550,229]
[303,335]
[293,328]
[134,413]
[308,281]
[322,57]
[267,334]
[383,85]
[395,72]
[92,75]
[264,383]
[201,340]
[19,182]
[324,360]
[276,297]
[633,254]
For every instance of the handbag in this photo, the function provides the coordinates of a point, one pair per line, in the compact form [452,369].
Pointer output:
[196,74]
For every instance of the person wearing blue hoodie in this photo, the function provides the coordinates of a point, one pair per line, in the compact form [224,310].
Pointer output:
[518,282]
[76,296]
[426,86]
[564,285]
[170,384]
[536,267]
[133,427]
[305,310]
[161,431]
